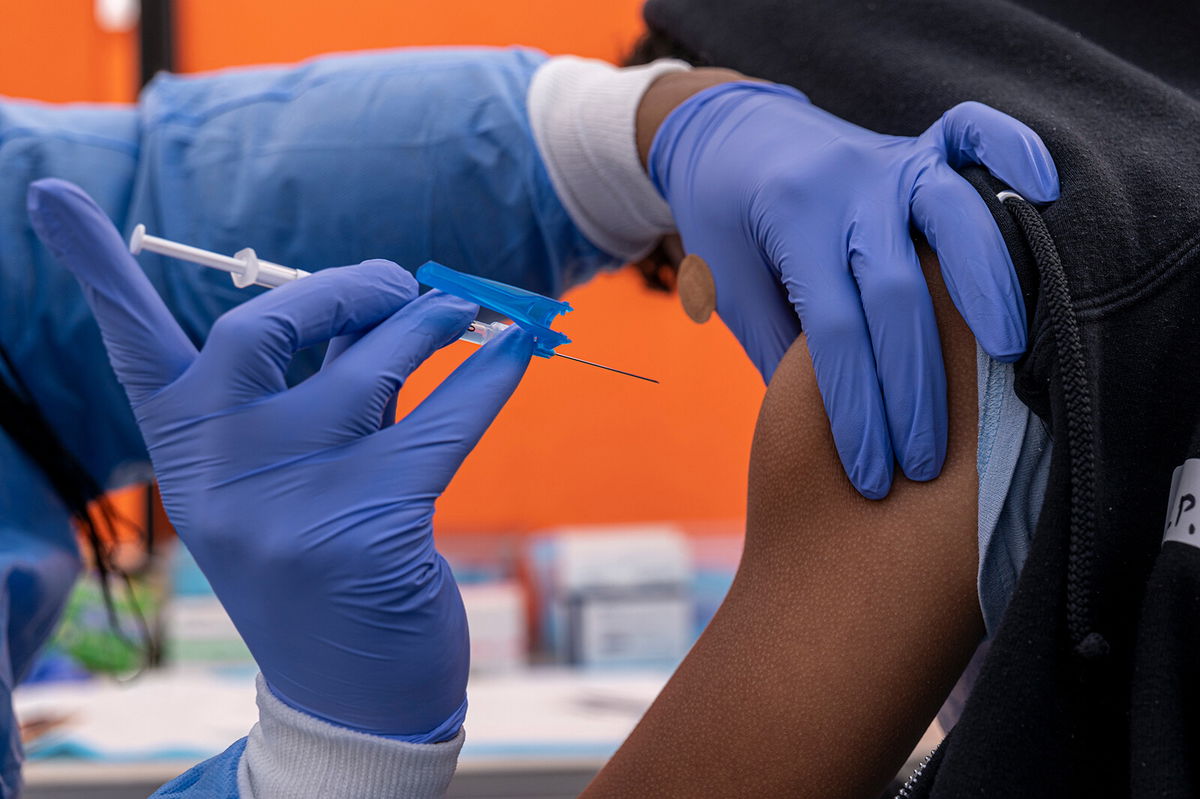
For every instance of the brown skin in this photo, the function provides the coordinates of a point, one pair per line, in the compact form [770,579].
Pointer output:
[668,92]
[846,626]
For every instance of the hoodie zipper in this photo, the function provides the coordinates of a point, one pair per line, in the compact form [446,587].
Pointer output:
[905,791]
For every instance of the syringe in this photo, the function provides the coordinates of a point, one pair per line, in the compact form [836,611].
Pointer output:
[247,269]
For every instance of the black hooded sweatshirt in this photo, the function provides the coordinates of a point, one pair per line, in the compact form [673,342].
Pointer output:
[1092,684]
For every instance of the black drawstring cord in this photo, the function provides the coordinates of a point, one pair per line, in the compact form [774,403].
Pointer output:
[1073,370]
[33,434]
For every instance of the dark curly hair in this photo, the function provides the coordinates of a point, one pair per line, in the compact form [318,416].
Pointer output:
[93,512]
[658,269]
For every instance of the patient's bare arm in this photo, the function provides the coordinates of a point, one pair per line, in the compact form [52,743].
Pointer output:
[846,626]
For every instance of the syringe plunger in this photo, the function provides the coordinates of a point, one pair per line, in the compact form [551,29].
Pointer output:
[245,267]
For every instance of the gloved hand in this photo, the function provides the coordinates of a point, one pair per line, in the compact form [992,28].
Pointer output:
[803,219]
[312,522]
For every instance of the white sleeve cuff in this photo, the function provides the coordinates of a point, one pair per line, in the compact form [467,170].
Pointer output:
[290,753]
[584,117]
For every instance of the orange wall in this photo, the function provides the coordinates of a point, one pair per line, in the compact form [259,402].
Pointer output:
[575,444]
[55,51]
[218,33]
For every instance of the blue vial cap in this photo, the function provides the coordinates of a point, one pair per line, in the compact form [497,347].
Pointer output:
[531,311]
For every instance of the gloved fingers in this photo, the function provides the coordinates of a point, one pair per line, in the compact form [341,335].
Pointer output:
[339,345]
[145,345]
[758,313]
[904,340]
[250,346]
[975,263]
[356,386]
[452,419]
[388,417]
[976,133]
[840,345]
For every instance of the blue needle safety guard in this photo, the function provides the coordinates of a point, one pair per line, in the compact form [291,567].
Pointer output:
[530,310]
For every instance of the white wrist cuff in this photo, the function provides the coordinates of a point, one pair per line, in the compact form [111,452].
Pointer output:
[584,118]
[290,753]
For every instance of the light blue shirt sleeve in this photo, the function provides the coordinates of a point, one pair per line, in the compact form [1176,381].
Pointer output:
[1013,462]
[215,778]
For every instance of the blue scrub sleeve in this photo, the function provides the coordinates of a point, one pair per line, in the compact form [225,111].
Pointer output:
[45,326]
[215,778]
[53,341]
[38,565]
[409,155]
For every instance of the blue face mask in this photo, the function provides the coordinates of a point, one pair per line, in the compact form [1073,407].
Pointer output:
[1013,460]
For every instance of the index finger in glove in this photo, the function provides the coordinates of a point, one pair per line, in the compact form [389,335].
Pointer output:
[839,341]
[976,266]
[750,299]
[972,132]
[145,344]
[353,391]
[250,347]
[904,335]
[337,347]
[450,421]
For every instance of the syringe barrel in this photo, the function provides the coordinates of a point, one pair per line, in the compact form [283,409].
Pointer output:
[273,275]
[482,332]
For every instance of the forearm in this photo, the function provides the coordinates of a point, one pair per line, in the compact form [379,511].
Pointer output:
[847,624]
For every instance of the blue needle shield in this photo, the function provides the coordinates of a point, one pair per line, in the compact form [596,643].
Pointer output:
[532,311]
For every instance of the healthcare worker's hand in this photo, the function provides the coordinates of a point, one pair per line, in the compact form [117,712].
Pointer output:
[804,220]
[311,519]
